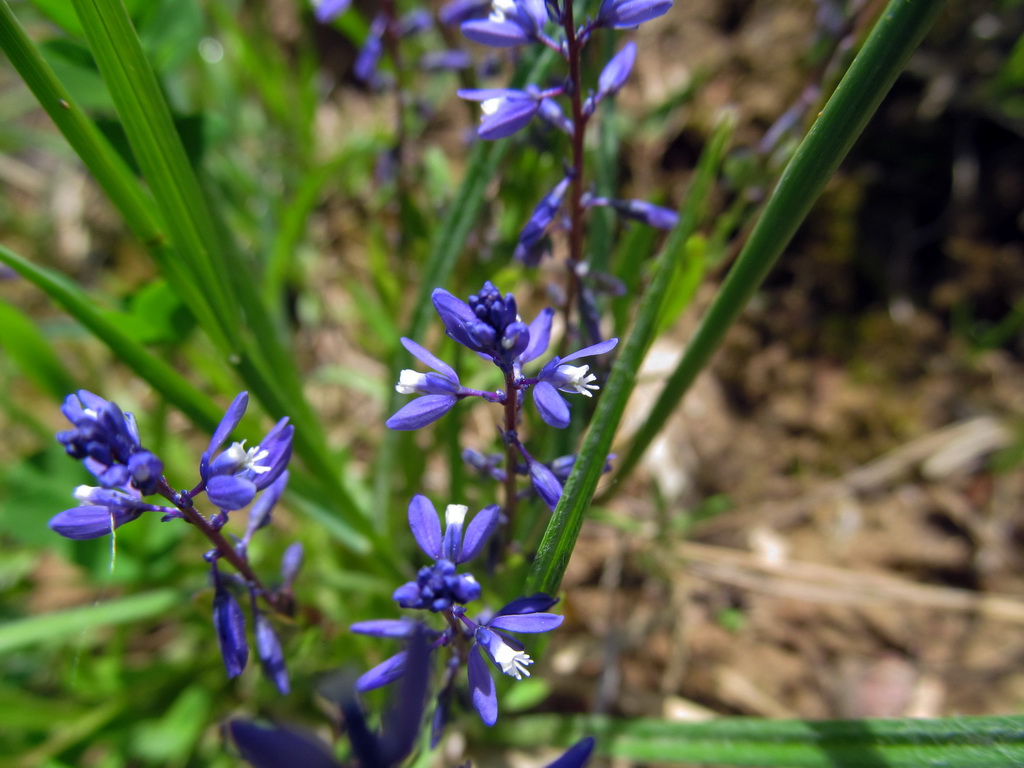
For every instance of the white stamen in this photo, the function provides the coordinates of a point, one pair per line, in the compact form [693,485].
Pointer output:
[454,514]
[490,106]
[512,662]
[578,379]
[248,459]
[499,8]
[409,382]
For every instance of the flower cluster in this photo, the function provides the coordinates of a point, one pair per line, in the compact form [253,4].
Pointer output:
[489,324]
[106,440]
[440,589]
[506,111]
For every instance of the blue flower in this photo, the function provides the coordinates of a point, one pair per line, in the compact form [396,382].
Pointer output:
[510,23]
[268,649]
[229,622]
[489,324]
[365,66]
[616,72]
[558,375]
[490,638]
[106,439]
[504,110]
[328,10]
[438,587]
[640,210]
[102,511]
[623,14]
[545,212]
[441,390]
[576,756]
[234,476]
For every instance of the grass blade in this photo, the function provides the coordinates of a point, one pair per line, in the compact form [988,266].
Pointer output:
[896,35]
[958,742]
[62,625]
[564,528]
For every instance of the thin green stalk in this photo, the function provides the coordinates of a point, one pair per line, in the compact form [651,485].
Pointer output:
[106,165]
[158,150]
[955,742]
[898,32]
[563,530]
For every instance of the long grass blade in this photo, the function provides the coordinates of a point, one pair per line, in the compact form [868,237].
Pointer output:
[957,742]
[564,528]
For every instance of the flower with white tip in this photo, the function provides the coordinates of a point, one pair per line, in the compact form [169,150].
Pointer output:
[491,640]
[234,476]
[574,379]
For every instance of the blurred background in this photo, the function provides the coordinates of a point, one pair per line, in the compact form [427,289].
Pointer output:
[829,526]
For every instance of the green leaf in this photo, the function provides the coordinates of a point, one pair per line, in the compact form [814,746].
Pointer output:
[162,377]
[957,742]
[561,534]
[898,32]
[74,624]
[29,348]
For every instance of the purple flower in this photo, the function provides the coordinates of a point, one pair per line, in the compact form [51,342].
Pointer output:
[458,11]
[291,562]
[453,545]
[106,439]
[525,614]
[545,484]
[259,515]
[539,222]
[229,621]
[233,477]
[642,211]
[558,375]
[268,649]
[576,756]
[365,67]
[102,511]
[328,10]
[439,587]
[552,113]
[504,110]
[616,72]
[510,23]
[440,390]
[489,324]
[434,61]
[623,14]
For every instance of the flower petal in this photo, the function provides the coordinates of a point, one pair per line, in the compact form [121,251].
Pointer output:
[485,699]
[594,349]
[85,522]
[420,412]
[274,747]
[386,672]
[546,484]
[478,532]
[268,649]
[394,628]
[428,358]
[425,525]
[552,406]
[227,425]
[540,336]
[230,492]
[531,604]
[229,622]
[499,34]
[575,756]
[529,622]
